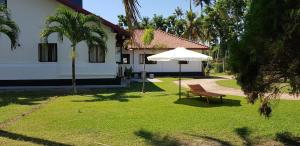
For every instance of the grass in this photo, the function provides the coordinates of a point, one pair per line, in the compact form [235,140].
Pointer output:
[158,117]
[229,84]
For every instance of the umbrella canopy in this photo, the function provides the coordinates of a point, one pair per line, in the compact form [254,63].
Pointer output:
[179,54]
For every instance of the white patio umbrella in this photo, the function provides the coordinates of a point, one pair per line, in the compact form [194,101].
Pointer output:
[179,54]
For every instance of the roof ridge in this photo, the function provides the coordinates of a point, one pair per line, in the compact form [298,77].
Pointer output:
[84,11]
[184,39]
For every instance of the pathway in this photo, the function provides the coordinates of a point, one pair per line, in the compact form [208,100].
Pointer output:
[212,86]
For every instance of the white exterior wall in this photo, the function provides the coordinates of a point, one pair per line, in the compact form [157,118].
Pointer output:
[173,66]
[23,63]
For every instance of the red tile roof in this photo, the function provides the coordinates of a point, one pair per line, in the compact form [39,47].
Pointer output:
[164,40]
[77,8]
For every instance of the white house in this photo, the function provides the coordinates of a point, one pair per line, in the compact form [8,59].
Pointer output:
[33,64]
[133,56]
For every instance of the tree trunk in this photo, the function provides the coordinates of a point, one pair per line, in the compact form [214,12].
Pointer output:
[74,69]
[144,72]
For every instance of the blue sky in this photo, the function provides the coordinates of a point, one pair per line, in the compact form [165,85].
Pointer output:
[110,9]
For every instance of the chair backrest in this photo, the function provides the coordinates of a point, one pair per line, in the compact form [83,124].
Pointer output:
[197,87]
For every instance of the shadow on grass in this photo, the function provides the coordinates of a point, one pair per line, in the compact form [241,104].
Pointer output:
[121,94]
[25,98]
[244,134]
[287,139]
[156,139]
[213,102]
[25,138]
[213,140]
[121,97]
[35,97]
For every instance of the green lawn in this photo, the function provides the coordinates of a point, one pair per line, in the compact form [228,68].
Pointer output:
[158,117]
[233,84]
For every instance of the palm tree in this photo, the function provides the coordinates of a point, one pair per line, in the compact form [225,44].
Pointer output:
[76,27]
[192,26]
[145,23]
[178,12]
[8,27]
[201,2]
[132,12]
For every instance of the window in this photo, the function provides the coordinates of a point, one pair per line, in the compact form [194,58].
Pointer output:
[3,2]
[48,52]
[142,57]
[183,62]
[96,55]
[125,58]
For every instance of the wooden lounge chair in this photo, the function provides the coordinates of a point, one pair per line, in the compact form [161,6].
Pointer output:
[198,90]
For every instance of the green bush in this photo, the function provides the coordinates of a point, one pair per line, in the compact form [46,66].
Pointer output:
[218,67]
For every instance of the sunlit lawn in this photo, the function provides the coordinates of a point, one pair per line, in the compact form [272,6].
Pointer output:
[233,84]
[229,84]
[158,117]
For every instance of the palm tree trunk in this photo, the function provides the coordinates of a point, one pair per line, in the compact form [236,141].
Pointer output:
[74,69]
[144,72]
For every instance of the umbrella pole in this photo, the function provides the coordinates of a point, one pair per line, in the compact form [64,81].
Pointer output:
[179,80]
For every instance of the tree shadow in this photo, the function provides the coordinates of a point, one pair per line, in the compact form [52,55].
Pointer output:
[121,94]
[244,134]
[212,139]
[156,139]
[213,102]
[287,139]
[121,97]
[36,97]
[149,87]
[19,137]
[25,98]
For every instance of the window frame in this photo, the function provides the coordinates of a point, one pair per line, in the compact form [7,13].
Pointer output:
[97,57]
[146,59]
[40,48]
[183,62]
[125,56]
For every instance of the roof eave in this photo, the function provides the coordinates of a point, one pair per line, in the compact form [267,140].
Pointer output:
[114,27]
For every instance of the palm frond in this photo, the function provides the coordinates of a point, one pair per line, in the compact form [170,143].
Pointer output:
[76,27]
[202,2]
[132,12]
[9,27]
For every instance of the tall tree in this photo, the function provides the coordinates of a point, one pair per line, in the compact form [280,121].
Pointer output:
[159,22]
[8,27]
[178,12]
[76,27]
[268,53]
[145,23]
[223,23]
[122,22]
[192,26]
[132,12]
[202,2]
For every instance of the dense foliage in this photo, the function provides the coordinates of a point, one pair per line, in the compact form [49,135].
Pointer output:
[259,37]
[181,24]
[268,53]
[8,27]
